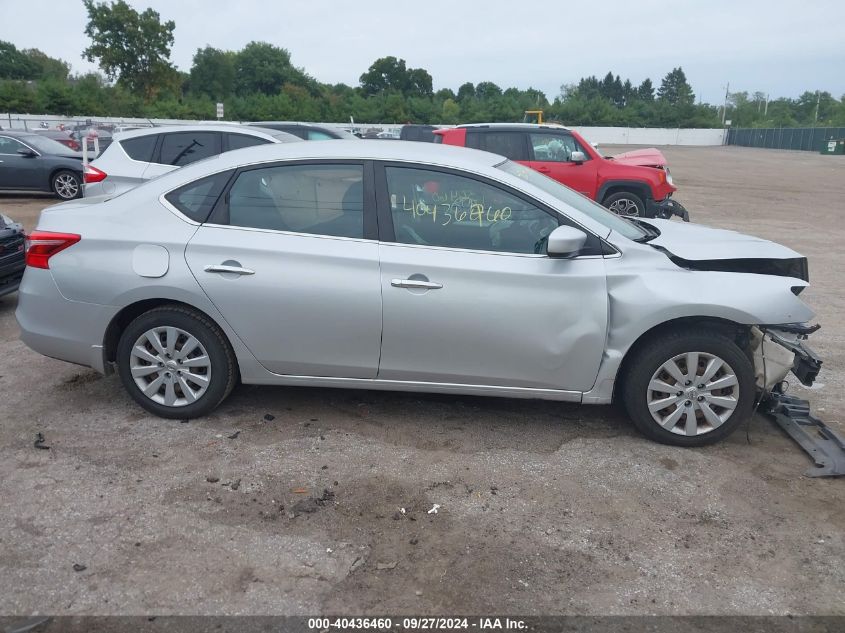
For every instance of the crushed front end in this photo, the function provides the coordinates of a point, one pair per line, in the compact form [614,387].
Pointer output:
[778,350]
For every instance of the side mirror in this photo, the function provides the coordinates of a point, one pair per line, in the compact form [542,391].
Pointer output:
[577,157]
[565,241]
[28,153]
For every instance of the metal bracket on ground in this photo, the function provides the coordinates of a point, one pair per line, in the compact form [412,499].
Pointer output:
[824,445]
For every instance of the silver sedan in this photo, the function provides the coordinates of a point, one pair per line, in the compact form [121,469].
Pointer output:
[414,267]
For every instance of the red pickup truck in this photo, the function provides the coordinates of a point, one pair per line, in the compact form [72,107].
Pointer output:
[635,183]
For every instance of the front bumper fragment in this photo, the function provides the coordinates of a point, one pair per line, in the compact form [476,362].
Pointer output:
[779,350]
[666,208]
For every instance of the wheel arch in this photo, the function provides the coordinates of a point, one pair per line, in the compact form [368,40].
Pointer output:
[129,313]
[639,187]
[55,170]
[740,333]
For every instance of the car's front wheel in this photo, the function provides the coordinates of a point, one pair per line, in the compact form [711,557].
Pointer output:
[66,184]
[625,203]
[176,363]
[689,387]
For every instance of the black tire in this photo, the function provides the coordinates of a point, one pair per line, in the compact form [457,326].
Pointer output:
[66,184]
[663,347]
[223,367]
[621,200]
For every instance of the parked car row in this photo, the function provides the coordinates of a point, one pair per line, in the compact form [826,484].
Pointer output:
[455,271]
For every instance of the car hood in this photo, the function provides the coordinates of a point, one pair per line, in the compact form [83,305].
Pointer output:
[651,157]
[698,247]
[699,242]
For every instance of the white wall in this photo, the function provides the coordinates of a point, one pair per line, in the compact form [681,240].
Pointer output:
[601,135]
[651,136]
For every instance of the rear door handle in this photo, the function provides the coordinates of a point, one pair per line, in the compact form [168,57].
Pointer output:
[226,268]
[415,283]
[543,170]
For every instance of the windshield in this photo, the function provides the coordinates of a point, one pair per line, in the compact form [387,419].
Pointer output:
[575,200]
[47,145]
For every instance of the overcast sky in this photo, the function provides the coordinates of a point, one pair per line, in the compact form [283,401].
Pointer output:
[777,47]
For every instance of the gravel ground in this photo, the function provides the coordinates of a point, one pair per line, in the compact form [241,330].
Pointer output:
[287,500]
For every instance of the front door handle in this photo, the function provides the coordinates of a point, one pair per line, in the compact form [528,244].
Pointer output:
[544,170]
[415,283]
[226,268]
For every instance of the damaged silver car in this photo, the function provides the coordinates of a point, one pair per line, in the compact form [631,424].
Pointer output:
[413,267]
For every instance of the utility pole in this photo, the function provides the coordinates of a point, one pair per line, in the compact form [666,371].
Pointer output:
[818,100]
[725,107]
[766,109]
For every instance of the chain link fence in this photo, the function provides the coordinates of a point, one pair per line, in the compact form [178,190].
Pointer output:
[808,139]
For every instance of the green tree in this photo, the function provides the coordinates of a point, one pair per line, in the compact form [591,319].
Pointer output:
[213,73]
[47,67]
[645,91]
[14,64]
[450,112]
[262,67]
[675,90]
[386,73]
[466,91]
[130,46]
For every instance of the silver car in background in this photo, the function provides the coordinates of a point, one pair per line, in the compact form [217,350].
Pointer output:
[139,155]
[414,267]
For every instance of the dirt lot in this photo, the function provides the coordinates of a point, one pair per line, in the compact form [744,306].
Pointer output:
[544,507]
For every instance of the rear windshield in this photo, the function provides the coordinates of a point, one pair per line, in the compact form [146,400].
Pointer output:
[47,145]
[575,200]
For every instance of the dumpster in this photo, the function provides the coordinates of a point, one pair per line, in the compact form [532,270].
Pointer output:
[832,146]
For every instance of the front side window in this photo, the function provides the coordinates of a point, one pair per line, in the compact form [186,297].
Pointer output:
[318,199]
[574,199]
[183,148]
[555,148]
[10,145]
[197,199]
[435,208]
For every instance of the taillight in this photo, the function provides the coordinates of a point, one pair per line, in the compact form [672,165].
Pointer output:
[92,174]
[42,245]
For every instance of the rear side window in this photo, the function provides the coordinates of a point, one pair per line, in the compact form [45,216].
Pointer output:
[239,141]
[473,139]
[316,199]
[508,144]
[183,148]
[141,147]
[197,199]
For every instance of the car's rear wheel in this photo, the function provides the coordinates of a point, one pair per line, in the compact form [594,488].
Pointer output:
[689,388]
[176,363]
[66,184]
[625,203]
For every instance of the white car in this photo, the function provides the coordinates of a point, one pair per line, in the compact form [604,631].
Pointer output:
[139,155]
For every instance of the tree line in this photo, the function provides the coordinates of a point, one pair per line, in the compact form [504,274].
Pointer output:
[260,82]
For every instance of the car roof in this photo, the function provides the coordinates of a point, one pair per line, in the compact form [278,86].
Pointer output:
[344,149]
[293,123]
[18,133]
[212,127]
[515,126]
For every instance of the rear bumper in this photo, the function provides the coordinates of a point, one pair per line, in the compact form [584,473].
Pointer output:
[52,325]
[11,274]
